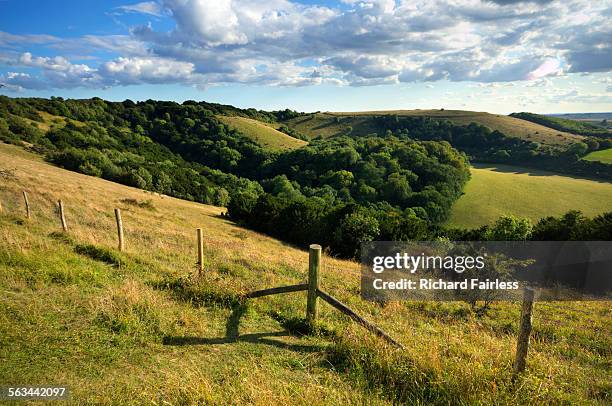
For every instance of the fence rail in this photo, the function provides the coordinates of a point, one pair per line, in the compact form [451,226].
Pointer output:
[276,291]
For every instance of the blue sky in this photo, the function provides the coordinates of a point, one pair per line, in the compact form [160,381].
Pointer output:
[501,56]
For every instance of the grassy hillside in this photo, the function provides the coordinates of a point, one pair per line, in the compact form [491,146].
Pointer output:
[138,327]
[263,133]
[604,156]
[497,190]
[329,124]
[564,124]
[49,120]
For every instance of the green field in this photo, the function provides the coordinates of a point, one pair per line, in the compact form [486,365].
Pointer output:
[140,327]
[604,156]
[330,124]
[498,190]
[264,134]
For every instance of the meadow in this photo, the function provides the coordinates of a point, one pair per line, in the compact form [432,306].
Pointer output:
[265,134]
[604,156]
[139,326]
[496,190]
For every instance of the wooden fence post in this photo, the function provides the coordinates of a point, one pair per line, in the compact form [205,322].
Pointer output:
[119,229]
[314,263]
[200,252]
[27,203]
[62,216]
[522,345]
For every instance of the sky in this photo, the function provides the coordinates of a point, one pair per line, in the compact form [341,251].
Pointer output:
[501,56]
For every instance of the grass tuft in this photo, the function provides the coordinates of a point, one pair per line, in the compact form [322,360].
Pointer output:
[199,292]
[390,373]
[143,204]
[102,254]
[131,309]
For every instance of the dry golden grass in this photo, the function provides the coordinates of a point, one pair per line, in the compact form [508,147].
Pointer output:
[117,335]
[262,133]
[324,124]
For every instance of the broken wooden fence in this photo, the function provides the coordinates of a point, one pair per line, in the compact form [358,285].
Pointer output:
[315,292]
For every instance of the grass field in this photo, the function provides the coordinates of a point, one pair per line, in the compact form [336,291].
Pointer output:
[604,156]
[329,124]
[263,133]
[139,327]
[497,190]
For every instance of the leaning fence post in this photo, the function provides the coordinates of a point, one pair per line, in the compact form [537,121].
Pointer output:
[524,331]
[200,252]
[314,263]
[27,203]
[119,228]
[62,216]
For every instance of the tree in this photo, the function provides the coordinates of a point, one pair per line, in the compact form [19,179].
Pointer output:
[510,228]
[501,155]
[355,228]
[397,189]
[163,182]
[221,197]
[578,149]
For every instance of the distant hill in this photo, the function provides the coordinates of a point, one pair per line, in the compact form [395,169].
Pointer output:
[265,134]
[565,124]
[584,116]
[360,123]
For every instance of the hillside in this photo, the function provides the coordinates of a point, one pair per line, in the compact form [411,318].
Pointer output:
[605,156]
[137,327]
[329,124]
[265,134]
[564,124]
[500,189]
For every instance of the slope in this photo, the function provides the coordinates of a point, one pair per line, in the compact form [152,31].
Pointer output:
[264,134]
[138,327]
[360,123]
[564,124]
[498,190]
[604,155]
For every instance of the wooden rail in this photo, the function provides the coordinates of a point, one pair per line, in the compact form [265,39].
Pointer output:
[349,312]
[276,291]
[314,292]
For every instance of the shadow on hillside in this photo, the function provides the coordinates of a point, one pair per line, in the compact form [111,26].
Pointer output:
[232,335]
[521,170]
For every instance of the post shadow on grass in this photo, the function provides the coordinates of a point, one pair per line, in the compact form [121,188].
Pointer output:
[232,335]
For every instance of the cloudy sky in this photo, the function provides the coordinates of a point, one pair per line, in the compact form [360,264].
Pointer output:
[498,55]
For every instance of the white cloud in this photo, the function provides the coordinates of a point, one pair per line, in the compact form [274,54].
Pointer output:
[145,7]
[366,42]
[146,70]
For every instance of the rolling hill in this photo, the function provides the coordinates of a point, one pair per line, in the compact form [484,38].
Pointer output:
[138,327]
[498,190]
[564,124]
[265,134]
[359,123]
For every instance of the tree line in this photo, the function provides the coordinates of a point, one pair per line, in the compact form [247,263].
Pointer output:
[483,145]
[340,191]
